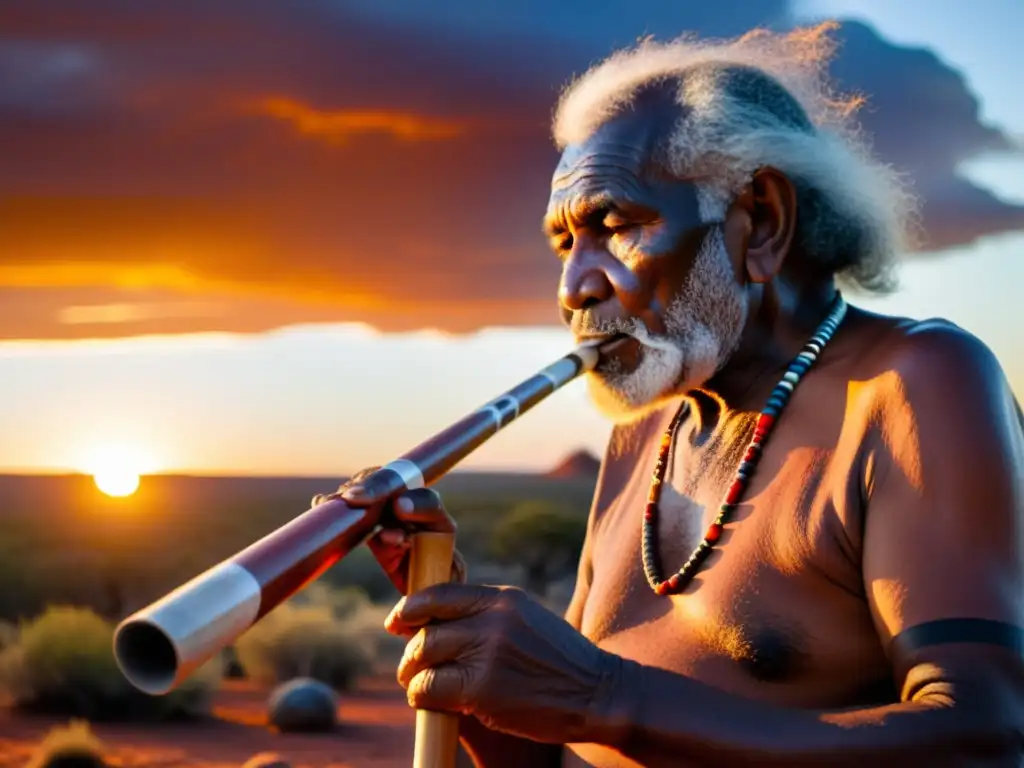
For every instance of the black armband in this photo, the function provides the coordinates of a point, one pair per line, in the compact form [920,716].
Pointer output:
[946,631]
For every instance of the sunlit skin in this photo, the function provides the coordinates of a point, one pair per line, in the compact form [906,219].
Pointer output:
[619,263]
[889,496]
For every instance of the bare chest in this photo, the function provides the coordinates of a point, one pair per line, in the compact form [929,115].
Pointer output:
[777,611]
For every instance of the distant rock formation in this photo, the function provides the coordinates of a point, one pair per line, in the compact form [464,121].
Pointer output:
[579,464]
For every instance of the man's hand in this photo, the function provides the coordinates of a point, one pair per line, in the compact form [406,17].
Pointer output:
[496,654]
[412,512]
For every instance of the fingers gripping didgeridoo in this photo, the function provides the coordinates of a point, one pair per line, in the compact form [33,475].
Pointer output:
[162,644]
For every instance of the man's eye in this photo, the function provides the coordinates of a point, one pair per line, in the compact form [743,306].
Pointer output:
[618,226]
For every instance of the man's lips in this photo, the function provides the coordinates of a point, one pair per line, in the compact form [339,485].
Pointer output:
[614,342]
[603,340]
[607,344]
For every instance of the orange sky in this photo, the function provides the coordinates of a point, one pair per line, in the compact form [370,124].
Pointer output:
[240,171]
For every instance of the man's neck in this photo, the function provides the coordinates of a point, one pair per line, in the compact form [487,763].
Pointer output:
[782,320]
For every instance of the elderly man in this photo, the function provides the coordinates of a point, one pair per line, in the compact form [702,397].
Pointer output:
[806,545]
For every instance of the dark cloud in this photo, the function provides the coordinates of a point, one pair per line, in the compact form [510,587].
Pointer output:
[244,165]
[924,120]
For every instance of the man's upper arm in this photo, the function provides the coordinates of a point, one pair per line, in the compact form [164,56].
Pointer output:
[943,562]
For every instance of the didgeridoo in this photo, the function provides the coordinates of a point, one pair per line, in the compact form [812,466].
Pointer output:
[162,644]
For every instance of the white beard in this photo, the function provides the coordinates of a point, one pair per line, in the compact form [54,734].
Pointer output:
[703,328]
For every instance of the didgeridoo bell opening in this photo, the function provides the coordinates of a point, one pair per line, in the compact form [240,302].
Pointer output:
[161,645]
[146,656]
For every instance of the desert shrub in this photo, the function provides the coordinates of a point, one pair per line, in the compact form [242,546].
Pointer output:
[360,570]
[367,624]
[71,746]
[362,618]
[63,662]
[543,538]
[342,602]
[318,634]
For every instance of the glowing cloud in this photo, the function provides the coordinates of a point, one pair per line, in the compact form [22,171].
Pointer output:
[338,126]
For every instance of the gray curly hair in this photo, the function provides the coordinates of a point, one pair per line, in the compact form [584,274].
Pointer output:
[762,100]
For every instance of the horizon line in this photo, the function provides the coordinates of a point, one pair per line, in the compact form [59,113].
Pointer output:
[212,475]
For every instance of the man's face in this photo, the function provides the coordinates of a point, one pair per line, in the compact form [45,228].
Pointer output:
[637,259]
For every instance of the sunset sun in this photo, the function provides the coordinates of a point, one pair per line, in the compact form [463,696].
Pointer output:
[116,471]
[117,481]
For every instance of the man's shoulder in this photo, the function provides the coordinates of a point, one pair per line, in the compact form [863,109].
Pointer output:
[944,433]
[934,371]
[935,356]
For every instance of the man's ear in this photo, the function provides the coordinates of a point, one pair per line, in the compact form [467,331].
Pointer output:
[768,203]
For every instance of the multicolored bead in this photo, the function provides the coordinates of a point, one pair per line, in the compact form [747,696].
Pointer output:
[777,401]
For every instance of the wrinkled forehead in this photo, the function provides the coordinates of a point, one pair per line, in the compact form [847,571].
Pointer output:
[626,157]
[640,131]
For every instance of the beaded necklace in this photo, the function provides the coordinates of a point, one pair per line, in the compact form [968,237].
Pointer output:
[678,581]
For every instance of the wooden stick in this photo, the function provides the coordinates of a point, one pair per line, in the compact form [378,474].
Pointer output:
[437,733]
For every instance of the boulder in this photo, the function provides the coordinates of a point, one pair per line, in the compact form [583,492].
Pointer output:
[303,705]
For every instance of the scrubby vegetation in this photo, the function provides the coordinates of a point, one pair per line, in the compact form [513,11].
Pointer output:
[63,662]
[71,746]
[543,538]
[324,634]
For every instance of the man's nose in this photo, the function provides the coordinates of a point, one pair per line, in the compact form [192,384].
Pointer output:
[585,282]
